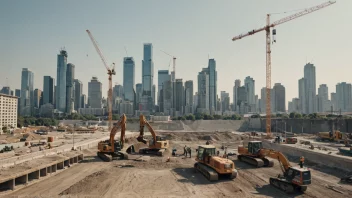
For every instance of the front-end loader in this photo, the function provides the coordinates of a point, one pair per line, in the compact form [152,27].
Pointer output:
[157,145]
[109,150]
[251,155]
[211,165]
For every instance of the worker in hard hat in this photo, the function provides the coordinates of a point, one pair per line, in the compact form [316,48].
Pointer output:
[301,161]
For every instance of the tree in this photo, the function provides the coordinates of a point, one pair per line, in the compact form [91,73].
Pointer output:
[292,115]
[4,129]
[217,117]
[190,117]
[298,115]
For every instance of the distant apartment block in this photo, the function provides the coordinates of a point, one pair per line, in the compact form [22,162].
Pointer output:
[8,111]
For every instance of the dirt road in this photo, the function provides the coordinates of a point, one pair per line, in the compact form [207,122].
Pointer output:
[155,177]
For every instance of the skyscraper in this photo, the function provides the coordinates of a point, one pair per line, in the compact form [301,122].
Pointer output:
[48,90]
[203,92]
[213,83]
[344,96]
[70,75]
[302,95]
[36,99]
[225,101]
[279,97]
[139,93]
[334,101]
[95,93]
[163,75]
[153,94]
[179,96]
[117,91]
[263,100]
[167,97]
[234,99]
[27,94]
[309,76]
[188,97]
[6,90]
[128,78]
[250,86]
[18,95]
[83,101]
[147,69]
[323,98]
[78,94]
[60,91]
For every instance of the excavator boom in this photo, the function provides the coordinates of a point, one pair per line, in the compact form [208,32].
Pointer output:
[143,122]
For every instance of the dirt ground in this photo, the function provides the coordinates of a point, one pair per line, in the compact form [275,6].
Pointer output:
[154,177]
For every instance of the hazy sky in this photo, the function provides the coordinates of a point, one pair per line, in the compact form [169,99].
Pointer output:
[32,33]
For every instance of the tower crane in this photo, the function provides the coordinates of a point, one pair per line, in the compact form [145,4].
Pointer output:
[268,51]
[173,73]
[111,71]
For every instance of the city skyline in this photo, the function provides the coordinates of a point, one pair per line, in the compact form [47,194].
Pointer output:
[234,60]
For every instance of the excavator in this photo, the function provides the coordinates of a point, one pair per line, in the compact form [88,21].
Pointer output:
[211,165]
[293,178]
[251,156]
[109,150]
[157,145]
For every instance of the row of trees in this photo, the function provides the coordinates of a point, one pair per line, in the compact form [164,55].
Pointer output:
[25,121]
[76,116]
[203,116]
[294,115]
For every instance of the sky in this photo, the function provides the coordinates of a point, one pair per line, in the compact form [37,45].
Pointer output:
[33,32]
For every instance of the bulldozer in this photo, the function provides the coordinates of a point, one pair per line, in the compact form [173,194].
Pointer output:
[111,149]
[157,145]
[211,165]
[251,155]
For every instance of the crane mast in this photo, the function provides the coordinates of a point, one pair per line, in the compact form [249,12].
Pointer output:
[111,71]
[268,51]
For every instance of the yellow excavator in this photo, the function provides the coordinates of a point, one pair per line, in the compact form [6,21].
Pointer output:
[251,155]
[111,149]
[157,145]
[211,165]
[293,178]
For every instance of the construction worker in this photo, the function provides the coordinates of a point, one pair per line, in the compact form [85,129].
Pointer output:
[189,150]
[301,161]
[185,151]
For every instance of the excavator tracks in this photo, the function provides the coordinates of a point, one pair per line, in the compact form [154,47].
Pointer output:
[258,162]
[209,173]
[104,157]
[286,186]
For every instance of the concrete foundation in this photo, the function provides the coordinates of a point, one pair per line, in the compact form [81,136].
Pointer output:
[8,185]
[60,165]
[34,175]
[21,180]
[43,172]
[71,160]
[75,160]
[53,168]
[66,162]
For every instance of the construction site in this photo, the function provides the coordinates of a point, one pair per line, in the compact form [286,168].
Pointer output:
[78,171]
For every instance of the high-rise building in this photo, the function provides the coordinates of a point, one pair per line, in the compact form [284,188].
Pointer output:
[225,101]
[213,83]
[6,90]
[249,83]
[153,94]
[310,89]
[147,69]
[27,93]
[263,100]
[70,75]
[78,89]
[8,111]
[139,93]
[234,99]
[302,95]
[48,90]
[95,93]
[203,92]
[117,91]
[323,98]
[179,96]
[83,101]
[60,91]
[167,96]
[344,96]
[279,97]
[18,95]
[128,78]
[242,98]
[188,97]
[36,100]
[163,75]
[334,101]
[126,107]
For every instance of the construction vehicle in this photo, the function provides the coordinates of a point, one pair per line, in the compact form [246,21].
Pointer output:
[251,155]
[267,29]
[293,178]
[157,145]
[335,136]
[109,150]
[287,140]
[211,165]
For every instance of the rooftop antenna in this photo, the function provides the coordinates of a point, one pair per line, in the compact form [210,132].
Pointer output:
[126,51]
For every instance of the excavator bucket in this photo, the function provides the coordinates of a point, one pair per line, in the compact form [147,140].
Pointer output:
[140,139]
